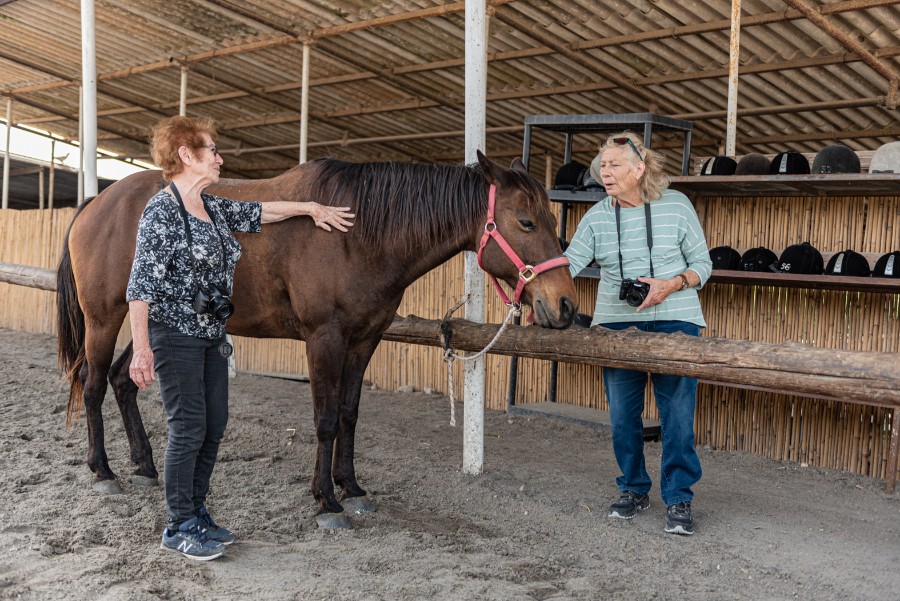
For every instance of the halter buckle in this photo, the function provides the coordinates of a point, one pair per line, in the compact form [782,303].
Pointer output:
[527,274]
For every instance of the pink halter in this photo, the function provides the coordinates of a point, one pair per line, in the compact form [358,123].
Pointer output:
[526,272]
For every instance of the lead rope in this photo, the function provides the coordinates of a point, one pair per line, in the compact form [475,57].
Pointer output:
[450,356]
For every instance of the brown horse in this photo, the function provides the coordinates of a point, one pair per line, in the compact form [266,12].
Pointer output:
[338,292]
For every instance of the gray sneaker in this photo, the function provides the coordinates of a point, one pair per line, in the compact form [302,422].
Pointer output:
[190,541]
[213,530]
[628,505]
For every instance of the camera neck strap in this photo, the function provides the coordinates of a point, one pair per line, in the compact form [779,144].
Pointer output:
[649,236]
[187,227]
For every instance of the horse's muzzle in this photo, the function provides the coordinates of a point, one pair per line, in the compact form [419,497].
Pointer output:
[557,320]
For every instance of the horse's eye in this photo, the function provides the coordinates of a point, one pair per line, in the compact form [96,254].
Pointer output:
[527,225]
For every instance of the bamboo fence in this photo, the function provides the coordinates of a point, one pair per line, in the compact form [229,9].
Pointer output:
[822,432]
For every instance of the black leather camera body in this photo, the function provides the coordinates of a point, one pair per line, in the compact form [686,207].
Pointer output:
[633,292]
[213,300]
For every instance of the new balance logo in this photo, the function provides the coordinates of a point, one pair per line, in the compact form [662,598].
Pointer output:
[185,546]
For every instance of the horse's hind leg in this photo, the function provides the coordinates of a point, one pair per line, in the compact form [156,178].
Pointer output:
[126,391]
[100,340]
[344,472]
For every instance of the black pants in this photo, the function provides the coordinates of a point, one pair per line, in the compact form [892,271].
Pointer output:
[193,382]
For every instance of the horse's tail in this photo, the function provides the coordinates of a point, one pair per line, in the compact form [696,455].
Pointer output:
[70,326]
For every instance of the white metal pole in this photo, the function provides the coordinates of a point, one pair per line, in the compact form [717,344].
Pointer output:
[182,96]
[80,144]
[52,184]
[476,101]
[40,187]
[5,199]
[89,83]
[733,65]
[304,104]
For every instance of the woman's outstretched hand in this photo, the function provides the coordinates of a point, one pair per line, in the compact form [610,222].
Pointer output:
[326,218]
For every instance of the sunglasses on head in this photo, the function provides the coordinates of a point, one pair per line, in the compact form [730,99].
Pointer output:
[624,141]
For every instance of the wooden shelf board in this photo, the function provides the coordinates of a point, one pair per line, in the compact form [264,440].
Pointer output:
[844,184]
[790,280]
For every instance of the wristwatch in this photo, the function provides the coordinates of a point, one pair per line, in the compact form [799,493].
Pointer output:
[684,282]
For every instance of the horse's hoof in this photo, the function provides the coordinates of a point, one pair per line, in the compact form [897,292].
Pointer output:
[144,481]
[358,505]
[332,521]
[107,487]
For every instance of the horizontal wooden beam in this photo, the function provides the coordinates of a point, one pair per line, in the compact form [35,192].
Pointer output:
[24,275]
[859,377]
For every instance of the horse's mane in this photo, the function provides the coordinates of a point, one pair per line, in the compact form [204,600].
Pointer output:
[410,204]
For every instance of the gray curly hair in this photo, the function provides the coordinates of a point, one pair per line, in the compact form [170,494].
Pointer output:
[654,180]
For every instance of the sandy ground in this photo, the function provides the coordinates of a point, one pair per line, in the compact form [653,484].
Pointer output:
[534,526]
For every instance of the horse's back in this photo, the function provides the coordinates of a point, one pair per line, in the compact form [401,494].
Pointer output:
[102,239]
[103,235]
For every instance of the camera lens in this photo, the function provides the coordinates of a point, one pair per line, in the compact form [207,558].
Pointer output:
[220,307]
[637,294]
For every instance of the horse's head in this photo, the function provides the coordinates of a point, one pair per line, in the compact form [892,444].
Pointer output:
[522,218]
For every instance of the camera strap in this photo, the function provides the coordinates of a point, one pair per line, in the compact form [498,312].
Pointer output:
[187,228]
[649,236]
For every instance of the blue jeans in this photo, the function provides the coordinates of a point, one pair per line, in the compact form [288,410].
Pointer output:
[676,398]
[193,383]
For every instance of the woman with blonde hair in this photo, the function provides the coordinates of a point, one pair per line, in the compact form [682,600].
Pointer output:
[653,258]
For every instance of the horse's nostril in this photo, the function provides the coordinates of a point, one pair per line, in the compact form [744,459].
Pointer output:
[566,310]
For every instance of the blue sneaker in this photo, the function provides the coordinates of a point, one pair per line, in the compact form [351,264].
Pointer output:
[190,541]
[213,530]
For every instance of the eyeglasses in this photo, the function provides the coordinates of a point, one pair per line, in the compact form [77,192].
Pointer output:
[624,141]
[213,149]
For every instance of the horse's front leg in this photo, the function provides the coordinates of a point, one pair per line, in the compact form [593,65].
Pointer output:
[343,471]
[139,443]
[325,351]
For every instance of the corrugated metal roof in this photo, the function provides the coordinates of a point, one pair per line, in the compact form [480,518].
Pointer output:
[388,75]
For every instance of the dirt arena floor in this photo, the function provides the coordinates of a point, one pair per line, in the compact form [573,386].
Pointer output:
[534,526]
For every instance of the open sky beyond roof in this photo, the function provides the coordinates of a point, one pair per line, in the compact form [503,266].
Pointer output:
[32,145]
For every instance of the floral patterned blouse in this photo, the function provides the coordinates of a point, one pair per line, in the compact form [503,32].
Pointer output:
[163,274]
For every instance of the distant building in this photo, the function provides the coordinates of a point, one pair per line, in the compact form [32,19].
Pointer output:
[26,191]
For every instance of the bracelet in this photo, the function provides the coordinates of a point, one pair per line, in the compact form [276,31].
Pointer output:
[684,282]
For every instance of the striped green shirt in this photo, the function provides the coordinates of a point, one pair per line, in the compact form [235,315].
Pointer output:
[678,244]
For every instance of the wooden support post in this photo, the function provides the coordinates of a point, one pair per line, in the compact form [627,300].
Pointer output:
[891,475]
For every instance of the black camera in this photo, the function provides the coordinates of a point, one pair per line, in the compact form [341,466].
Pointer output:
[633,292]
[213,300]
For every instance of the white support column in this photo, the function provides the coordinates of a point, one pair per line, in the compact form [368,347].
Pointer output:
[40,187]
[304,104]
[4,204]
[51,186]
[733,65]
[476,101]
[182,96]
[80,145]
[89,98]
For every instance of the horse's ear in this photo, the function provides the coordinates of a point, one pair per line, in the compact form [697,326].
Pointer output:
[493,173]
[518,165]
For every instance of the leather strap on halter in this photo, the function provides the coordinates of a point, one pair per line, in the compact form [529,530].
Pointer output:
[526,272]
